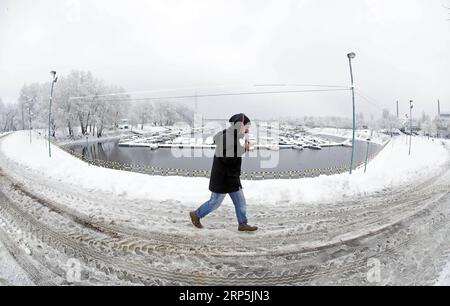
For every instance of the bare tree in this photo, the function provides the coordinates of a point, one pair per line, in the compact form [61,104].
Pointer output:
[141,113]
[28,101]
[89,114]
[8,117]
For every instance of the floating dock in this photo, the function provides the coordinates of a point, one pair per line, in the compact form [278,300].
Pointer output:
[154,146]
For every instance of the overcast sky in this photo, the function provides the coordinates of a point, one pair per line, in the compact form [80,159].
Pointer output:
[402,47]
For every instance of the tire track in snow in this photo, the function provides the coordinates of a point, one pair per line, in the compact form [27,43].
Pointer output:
[306,265]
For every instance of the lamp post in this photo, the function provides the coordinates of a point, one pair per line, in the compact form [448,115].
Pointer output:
[29,118]
[406,134]
[351,56]
[29,114]
[410,124]
[54,79]
[29,99]
[367,154]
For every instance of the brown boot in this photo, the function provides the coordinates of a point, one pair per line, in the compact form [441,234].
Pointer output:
[244,227]
[195,220]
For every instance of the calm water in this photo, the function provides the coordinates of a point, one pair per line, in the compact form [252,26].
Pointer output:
[284,159]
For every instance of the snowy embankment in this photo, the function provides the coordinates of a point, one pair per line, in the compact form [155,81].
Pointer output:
[108,135]
[148,129]
[362,135]
[444,278]
[392,167]
[11,274]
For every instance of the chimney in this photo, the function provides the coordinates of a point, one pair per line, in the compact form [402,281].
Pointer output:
[397,109]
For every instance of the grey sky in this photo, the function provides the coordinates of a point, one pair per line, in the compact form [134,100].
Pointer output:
[402,48]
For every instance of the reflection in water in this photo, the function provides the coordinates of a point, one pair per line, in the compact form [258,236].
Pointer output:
[287,159]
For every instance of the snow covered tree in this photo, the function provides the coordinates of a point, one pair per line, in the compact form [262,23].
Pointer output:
[29,98]
[184,113]
[360,121]
[82,101]
[90,114]
[428,127]
[142,113]
[388,121]
[9,120]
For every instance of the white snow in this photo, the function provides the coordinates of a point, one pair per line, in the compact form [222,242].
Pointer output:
[374,136]
[392,167]
[148,128]
[444,278]
[11,274]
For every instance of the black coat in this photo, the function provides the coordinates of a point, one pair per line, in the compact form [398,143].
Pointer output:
[226,167]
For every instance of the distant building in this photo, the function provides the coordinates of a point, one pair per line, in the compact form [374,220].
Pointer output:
[124,124]
[444,116]
[443,125]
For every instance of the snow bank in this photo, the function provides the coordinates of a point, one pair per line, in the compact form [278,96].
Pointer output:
[392,167]
[150,128]
[375,137]
[444,277]
[11,274]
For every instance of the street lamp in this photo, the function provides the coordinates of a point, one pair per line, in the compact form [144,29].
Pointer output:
[367,154]
[410,124]
[54,79]
[29,99]
[29,119]
[351,56]
[406,134]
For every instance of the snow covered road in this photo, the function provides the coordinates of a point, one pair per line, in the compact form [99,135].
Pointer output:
[390,236]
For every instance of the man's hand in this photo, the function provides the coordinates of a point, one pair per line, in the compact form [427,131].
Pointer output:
[247,145]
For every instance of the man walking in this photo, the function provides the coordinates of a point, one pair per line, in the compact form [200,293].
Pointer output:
[226,172]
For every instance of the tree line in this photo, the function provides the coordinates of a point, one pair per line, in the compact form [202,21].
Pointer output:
[101,107]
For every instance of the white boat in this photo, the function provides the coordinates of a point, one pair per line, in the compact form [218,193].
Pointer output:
[209,140]
[250,137]
[314,147]
[177,140]
[185,140]
[298,142]
[273,147]
[347,143]
[283,141]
